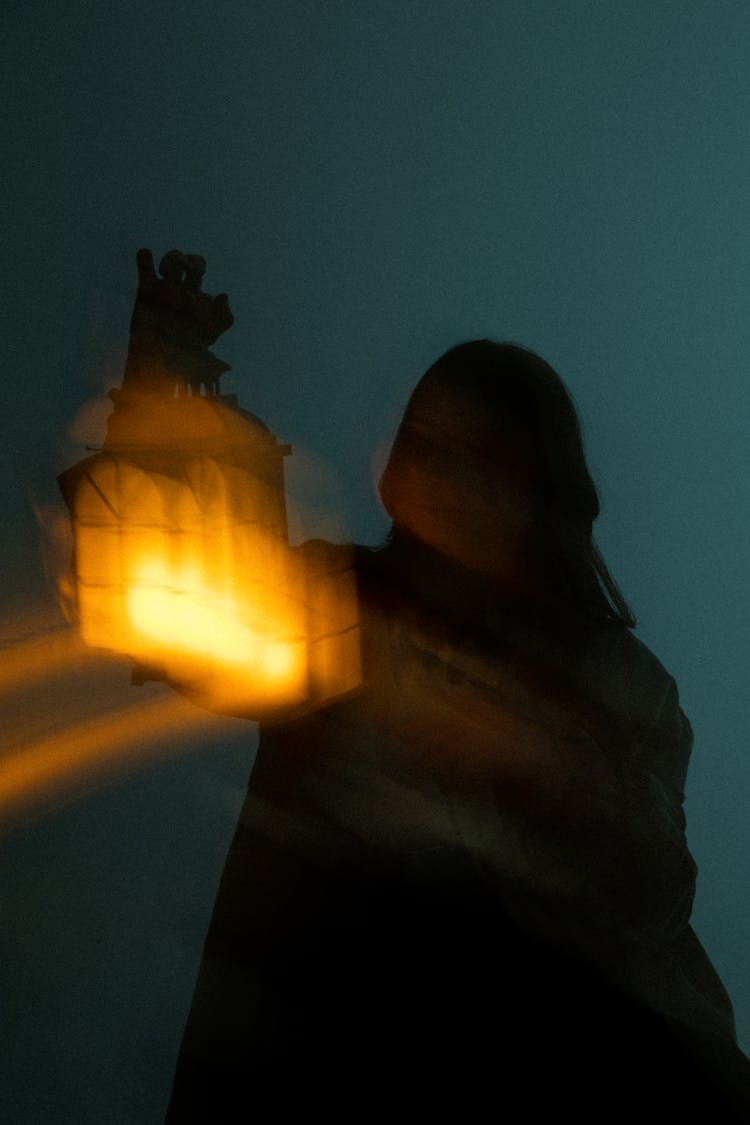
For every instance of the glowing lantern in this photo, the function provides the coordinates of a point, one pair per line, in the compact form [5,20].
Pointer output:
[180,538]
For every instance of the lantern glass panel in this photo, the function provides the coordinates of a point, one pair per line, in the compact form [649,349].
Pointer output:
[183,564]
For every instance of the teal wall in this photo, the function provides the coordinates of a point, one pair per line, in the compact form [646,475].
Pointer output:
[372,182]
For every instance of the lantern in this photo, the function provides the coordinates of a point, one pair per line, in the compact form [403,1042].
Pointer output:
[181,554]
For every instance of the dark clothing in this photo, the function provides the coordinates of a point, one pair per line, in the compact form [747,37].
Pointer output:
[467,881]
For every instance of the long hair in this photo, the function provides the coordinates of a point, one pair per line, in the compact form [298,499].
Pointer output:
[517,387]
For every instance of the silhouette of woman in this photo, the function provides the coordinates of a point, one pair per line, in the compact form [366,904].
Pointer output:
[466,885]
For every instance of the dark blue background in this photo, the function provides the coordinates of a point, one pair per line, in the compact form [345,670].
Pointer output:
[371,182]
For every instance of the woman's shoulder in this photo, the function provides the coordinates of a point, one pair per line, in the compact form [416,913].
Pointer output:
[635,671]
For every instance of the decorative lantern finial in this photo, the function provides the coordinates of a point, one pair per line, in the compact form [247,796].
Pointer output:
[173,325]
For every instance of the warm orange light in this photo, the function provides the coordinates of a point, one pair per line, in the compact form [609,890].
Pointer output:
[68,722]
[189,574]
[175,616]
[179,611]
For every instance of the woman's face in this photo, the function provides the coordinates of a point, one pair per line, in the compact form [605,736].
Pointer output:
[466,484]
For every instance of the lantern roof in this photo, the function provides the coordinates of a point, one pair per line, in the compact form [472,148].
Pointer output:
[145,421]
[169,410]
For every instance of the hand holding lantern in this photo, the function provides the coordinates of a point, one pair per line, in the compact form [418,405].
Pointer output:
[181,550]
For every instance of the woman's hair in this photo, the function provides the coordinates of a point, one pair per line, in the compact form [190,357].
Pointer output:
[522,392]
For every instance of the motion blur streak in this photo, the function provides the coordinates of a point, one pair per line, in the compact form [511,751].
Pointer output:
[70,719]
[30,660]
[42,769]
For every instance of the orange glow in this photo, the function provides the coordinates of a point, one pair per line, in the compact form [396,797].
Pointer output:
[180,614]
[183,565]
[65,761]
[70,721]
[29,661]
[43,763]
[178,611]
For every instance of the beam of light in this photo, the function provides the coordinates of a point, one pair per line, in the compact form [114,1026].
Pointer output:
[173,556]
[64,762]
[37,658]
[70,719]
